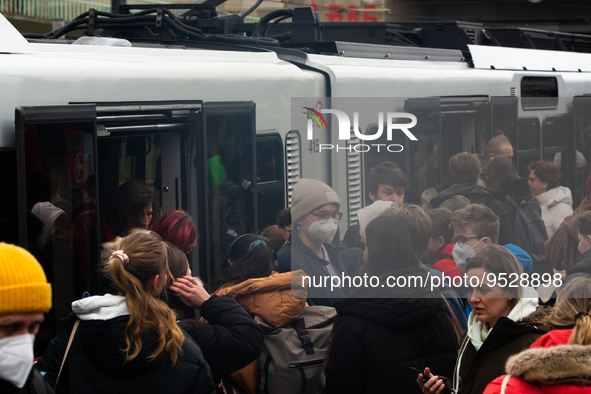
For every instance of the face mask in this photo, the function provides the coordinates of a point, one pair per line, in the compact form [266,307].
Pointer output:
[16,358]
[462,253]
[323,233]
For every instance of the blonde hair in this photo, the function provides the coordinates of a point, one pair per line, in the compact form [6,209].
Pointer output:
[572,311]
[147,255]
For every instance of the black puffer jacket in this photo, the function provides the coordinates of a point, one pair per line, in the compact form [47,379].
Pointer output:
[230,340]
[375,340]
[480,195]
[96,363]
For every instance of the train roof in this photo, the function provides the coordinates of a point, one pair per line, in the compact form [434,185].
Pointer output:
[198,27]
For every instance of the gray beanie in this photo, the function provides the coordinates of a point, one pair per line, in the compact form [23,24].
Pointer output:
[308,195]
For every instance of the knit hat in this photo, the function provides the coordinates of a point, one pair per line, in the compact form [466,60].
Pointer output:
[23,285]
[309,195]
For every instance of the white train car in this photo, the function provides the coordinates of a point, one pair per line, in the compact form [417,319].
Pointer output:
[93,115]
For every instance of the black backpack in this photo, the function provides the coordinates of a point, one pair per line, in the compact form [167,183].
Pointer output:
[529,229]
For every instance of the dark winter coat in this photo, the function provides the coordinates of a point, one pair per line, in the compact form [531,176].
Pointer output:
[582,266]
[519,190]
[96,363]
[34,385]
[479,195]
[295,255]
[230,340]
[562,249]
[375,340]
[479,368]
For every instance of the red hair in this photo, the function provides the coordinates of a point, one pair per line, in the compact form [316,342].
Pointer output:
[178,228]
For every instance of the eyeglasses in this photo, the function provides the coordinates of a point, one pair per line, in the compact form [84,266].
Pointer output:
[460,241]
[324,216]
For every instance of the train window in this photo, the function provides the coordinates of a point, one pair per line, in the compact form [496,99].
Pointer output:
[270,173]
[504,118]
[554,136]
[56,157]
[424,169]
[229,140]
[528,144]
[539,92]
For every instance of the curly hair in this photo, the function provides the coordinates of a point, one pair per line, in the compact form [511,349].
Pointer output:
[546,172]
[126,205]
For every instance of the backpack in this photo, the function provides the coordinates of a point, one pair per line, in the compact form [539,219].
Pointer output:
[529,229]
[292,361]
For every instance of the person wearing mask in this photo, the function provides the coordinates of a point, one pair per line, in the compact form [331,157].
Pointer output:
[475,228]
[464,169]
[315,220]
[498,325]
[559,362]
[25,296]
[380,332]
[128,341]
[556,201]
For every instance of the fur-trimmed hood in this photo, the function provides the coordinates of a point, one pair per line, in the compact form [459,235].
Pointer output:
[563,364]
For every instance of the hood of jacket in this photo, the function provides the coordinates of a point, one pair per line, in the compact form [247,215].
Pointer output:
[557,195]
[562,364]
[272,297]
[101,333]
[476,194]
[404,309]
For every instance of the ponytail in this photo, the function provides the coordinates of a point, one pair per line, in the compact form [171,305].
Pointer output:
[143,256]
[582,331]
[573,310]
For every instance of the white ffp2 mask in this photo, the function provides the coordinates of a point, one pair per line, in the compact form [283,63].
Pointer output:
[16,358]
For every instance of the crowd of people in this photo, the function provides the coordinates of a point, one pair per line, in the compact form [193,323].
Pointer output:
[158,329]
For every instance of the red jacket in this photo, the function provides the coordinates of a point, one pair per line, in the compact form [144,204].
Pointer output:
[445,262]
[549,359]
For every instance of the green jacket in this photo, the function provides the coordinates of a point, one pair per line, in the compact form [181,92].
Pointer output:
[479,368]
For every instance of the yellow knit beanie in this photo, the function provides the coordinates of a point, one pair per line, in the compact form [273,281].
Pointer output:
[23,285]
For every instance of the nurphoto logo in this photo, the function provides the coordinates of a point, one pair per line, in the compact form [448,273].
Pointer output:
[344,122]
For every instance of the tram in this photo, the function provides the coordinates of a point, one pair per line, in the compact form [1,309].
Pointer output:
[156,95]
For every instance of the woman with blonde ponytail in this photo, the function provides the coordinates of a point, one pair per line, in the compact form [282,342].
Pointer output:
[128,342]
[560,361]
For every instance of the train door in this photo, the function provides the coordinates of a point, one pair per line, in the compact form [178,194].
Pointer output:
[582,140]
[56,158]
[228,162]
[71,159]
